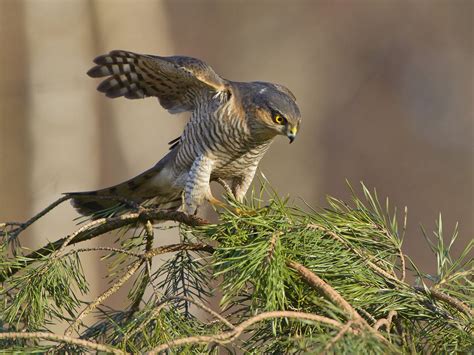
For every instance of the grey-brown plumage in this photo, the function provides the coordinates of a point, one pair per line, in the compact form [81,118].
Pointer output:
[232,125]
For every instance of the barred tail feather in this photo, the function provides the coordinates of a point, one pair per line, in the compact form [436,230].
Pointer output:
[126,195]
[91,202]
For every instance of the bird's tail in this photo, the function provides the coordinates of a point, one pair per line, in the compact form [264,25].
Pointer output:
[126,195]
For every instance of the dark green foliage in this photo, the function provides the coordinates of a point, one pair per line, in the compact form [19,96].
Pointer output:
[354,249]
[44,293]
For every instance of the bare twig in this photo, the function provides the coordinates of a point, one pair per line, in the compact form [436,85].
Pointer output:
[102,226]
[130,272]
[316,282]
[178,247]
[160,306]
[114,288]
[145,280]
[226,187]
[229,336]
[453,302]
[61,338]
[85,228]
[21,226]
[402,256]
[110,249]
[387,322]
[366,314]
[319,284]
[402,264]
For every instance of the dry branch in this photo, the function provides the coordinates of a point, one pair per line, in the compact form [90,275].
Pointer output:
[453,302]
[319,284]
[61,338]
[229,336]
[130,272]
[102,226]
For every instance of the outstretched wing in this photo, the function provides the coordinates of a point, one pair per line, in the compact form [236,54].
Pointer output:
[178,82]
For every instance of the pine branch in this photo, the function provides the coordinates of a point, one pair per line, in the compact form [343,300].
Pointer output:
[291,281]
[231,335]
[101,226]
[61,338]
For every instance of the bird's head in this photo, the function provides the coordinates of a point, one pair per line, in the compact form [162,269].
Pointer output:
[275,109]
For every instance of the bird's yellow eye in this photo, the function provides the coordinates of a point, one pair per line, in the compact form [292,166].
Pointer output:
[277,118]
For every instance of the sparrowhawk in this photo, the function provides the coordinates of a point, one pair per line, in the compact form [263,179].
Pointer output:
[231,127]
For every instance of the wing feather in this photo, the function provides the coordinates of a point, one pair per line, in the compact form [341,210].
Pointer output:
[178,82]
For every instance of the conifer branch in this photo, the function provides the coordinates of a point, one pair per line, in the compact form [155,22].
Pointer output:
[109,292]
[21,226]
[387,322]
[265,261]
[101,226]
[231,335]
[366,258]
[63,339]
[316,282]
[129,273]
[453,302]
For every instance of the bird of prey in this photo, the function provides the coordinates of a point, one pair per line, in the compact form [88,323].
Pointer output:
[231,127]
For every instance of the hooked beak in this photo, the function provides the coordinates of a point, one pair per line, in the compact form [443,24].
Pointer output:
[291,133]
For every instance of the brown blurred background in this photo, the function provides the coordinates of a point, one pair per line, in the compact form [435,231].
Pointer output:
[385,88]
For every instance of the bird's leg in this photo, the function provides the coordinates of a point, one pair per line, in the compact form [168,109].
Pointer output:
[240,185]
[197,184]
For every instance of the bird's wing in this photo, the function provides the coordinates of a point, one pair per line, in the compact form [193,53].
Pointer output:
[178,82]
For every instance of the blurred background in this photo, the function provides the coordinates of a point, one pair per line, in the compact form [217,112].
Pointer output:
[385,88]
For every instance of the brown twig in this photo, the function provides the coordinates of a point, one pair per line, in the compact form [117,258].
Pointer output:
[387,322]
[366,314]
[316,282]
[146,279]
[160,306]
[229,336]
[178,247]
[21,226]
[402,264]
[102,226]
[93,224]
[460,306]
[110,291]
[402,256]
[130,272]
[319,284]
[110,249]
[226,187]
[63,339]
